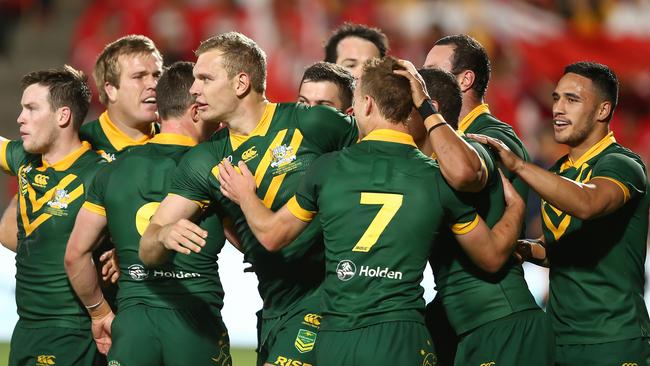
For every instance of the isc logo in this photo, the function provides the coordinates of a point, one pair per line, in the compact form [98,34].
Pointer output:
[249,154]
[40,180]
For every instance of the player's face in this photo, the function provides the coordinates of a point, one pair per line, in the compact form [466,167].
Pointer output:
[37,120]
[320,93]
[439,57]
[215,93]
[135,99]
[352,52]
[575,105]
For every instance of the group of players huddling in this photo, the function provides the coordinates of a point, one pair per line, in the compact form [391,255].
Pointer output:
[338,202]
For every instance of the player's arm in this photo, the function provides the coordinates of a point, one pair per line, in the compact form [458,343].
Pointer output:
[82,274]
[171,229]
[459,163]
[598,197]
[489,248]
[274,230]
[9,226]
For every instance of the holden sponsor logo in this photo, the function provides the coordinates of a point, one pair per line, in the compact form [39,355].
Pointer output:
[138,272]
[346,270]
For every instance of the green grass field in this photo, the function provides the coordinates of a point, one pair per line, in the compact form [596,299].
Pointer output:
[240,356]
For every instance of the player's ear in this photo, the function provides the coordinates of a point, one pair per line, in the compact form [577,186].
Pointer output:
[242,84]
[111,92]
[194,112]
[466,80]
[603,111]
[369,105]
[63,116]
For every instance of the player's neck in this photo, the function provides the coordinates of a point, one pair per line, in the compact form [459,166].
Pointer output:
[248,114]
[577,151]
[470,102]
[133,130]
[65,144]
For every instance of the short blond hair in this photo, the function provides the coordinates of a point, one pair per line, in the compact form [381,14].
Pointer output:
[240,54]
[107,68]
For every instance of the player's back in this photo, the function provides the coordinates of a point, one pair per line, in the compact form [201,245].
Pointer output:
[130,190]
[381,204]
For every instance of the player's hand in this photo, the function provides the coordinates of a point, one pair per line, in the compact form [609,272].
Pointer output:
[110,266]
[101,330]
[183,236]
[418,88]
[234,185]
[530,250]
[509,159]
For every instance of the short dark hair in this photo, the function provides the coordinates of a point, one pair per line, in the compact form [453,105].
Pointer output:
[240,54]
[391,92]
[327,71]
[67,86]
[173,90]
[371,34]
[603,78]
[444,89]
[469,54]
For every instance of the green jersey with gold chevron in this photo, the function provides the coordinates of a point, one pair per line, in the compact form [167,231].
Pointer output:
[107,139]
[597,266]
[128,191]
[381,204]
[470,296]
[480,121]
[284,143]
[49,197]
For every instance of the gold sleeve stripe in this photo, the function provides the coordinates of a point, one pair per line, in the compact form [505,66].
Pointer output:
[94,208]
[299,212]
[626,191]
[3,155]
[464,227]
[203,204]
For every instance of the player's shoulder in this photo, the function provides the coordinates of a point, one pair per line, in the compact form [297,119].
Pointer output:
[90,128]
[620,157]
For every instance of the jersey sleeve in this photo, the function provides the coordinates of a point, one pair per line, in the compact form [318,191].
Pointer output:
[304,204]
[190,178]
[12,155]
[460,215]
[95,192]
[486,157]
[328,128]
[628,173]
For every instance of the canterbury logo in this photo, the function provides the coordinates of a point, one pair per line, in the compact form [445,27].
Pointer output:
[249,154]
[45,360]
[492,363]
[629,364]
[40,180]
[313,319]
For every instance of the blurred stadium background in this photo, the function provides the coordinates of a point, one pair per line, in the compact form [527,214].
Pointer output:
[529,42]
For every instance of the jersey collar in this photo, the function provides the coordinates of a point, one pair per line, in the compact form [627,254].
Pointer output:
[593,151]
[386,135]
[260,130]
[119,139]
[471,116]
[68,160]
[172,139]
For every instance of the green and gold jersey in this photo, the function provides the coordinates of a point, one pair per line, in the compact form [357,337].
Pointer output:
[597,266]
[381,204]
[279,151]
[480,121]
[49,197]
[473,297]
[128,191]
[107,139]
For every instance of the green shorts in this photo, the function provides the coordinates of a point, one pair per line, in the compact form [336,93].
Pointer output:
[522,338]
[444,338]
[52,346]
[629,352]
[289,340]
[393,343]
[148,336]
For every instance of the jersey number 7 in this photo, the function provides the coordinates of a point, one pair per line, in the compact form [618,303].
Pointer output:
[390,204]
